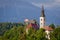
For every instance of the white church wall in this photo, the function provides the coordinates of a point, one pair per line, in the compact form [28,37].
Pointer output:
[42,22]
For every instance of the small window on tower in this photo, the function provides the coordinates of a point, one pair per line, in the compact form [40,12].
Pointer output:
[41,23]
[44,19]
[41,19]
[44,23]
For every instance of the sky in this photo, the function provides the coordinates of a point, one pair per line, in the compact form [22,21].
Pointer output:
[19,10]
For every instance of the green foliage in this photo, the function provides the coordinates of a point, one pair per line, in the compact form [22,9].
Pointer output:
[17,31]
[31,35]
[1,38]
[40,34]
[36,34]
[52,26]
[55,35]
[6,26]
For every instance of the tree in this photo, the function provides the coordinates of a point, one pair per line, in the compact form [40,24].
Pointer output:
[15,33]
[36,34]
[31,34]
[52,26]
[55,35]
[40,34]
[11,34]
[1,38]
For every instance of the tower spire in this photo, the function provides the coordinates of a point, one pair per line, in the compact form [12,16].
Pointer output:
[42,12]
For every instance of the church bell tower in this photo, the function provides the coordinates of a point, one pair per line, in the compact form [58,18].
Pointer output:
[42,18]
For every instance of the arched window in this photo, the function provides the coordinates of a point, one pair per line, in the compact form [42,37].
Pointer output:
[44,19]
[41,23]
[41,19]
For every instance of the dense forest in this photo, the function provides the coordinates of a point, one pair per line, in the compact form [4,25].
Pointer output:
[17,31]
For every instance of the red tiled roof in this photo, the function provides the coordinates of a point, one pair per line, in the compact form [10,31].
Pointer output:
[47,28]
[29,26]
[35,26]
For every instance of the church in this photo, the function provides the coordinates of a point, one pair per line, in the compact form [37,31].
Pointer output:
[33,24]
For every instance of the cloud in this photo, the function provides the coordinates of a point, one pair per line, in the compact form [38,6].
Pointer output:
[38,3]
[47,4]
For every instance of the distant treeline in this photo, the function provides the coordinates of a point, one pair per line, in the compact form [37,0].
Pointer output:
[6,26]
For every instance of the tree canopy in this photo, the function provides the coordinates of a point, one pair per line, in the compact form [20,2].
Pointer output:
[17,31]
